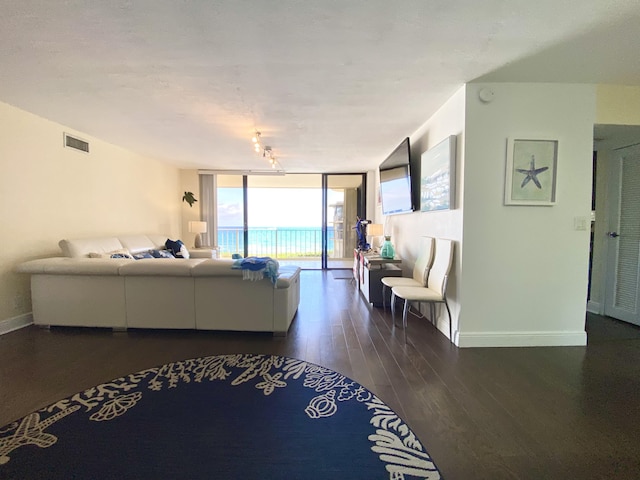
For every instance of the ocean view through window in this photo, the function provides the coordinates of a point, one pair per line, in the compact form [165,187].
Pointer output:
[276,242]
[304,219]
[282,222]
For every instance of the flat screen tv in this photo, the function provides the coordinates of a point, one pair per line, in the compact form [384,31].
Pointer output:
[395,181]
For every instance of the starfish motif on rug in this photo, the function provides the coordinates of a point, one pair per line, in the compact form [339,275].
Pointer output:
[31,431]
[532,173]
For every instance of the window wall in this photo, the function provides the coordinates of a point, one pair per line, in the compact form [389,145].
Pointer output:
[305,219]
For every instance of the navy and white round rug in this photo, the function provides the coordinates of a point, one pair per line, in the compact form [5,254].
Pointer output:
[223,416]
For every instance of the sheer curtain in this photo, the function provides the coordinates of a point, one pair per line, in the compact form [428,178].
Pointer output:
[208,207]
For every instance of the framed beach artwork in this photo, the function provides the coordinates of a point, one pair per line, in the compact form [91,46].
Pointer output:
[530,177]
[438,176]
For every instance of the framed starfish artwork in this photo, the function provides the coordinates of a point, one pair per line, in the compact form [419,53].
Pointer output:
[530,177]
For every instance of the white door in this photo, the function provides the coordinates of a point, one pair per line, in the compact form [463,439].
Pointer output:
[622,297]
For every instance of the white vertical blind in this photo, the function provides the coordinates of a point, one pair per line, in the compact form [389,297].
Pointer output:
[208,208]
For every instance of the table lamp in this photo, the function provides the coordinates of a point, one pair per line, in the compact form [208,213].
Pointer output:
[374,230]
[198,228]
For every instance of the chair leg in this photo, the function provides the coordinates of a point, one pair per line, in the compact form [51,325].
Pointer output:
[393,306]
[404,313]
[450,321]
[384,296]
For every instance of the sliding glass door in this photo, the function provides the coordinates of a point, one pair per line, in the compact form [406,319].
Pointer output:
[285,218]
[303,219]
[344,202]
[230,215]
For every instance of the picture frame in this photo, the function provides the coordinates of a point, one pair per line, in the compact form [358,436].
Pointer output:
[531,171]
[438,176]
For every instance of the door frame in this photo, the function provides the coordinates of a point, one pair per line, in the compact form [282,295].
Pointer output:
[361,206]
[613,210]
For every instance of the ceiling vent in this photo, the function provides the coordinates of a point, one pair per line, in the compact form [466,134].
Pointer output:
[73,142]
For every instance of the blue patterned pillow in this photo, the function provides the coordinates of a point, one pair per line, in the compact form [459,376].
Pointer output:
[120,255]
[177,248]
[161,254]
[141,255]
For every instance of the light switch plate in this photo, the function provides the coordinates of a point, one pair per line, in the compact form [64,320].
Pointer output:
[579,223]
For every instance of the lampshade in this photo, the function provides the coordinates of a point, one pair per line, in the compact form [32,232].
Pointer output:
[374,229]
[198,227]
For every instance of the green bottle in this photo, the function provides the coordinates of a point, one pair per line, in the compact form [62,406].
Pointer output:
[387,250]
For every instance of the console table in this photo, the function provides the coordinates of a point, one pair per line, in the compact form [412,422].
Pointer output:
[371,268]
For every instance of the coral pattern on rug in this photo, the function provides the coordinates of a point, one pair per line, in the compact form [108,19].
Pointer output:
[395,444]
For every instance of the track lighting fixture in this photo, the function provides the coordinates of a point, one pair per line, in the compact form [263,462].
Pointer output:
[267,151]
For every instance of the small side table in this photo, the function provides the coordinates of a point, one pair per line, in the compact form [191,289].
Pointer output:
[205,252]
[374,268]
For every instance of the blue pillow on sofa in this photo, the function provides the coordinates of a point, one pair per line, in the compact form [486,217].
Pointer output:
[176,247]
[161,254]
[141,255]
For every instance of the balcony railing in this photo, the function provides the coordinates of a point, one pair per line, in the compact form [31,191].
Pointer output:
[276,242]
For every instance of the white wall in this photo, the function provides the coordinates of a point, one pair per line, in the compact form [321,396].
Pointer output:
[48,192]
[524,280]
[406,229]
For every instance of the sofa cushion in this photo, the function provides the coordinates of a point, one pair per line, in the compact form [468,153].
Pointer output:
[73,266]
[158,240]
[82,247]
[137,243]
[220,267]
[165,269]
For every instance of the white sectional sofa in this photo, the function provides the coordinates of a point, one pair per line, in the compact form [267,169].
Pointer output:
[121,293]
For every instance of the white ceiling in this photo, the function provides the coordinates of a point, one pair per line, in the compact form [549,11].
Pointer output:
[333,85]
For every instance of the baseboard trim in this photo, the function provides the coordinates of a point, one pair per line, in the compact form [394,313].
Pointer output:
[595,307]
[16,323]
[521,339]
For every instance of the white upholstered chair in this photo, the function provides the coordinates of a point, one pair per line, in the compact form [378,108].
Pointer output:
[420,271]
[435,290]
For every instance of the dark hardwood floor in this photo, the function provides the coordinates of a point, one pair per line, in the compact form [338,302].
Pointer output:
[493,413]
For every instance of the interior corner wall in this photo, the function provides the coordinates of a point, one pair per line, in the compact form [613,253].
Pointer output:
[618,105]
[406,229]
[525,273]
[189,182]
[49,192]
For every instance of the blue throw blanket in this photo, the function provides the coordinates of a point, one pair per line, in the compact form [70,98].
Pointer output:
[257,268]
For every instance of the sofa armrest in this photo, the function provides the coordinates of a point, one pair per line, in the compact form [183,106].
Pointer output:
[287,276]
